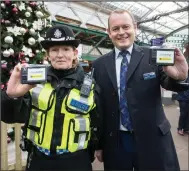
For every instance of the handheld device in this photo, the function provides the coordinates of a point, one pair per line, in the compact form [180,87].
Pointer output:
[33,74]
[87,83]
[162,56]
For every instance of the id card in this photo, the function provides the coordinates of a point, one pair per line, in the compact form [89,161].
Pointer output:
[165,57]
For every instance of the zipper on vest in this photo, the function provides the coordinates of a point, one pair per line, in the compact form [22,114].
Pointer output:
[58,120]
[56,112]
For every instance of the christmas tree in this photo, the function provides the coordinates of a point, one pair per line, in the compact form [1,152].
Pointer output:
[23,26]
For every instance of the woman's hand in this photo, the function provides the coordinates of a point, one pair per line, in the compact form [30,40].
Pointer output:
[99,155]
[14,87]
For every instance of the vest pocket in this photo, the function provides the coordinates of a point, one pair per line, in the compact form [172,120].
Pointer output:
[78,134]
[36,122]
[75,103]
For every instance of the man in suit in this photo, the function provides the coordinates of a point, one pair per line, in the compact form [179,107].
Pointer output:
[136,133]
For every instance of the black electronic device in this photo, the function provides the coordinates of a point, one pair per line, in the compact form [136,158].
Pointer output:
[87,84]
[162,56]
[33,74]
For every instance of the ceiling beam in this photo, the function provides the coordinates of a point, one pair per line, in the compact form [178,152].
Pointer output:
[177,30]
[177,4]
[157,17]
[156,32]
[152,31]
[107,10]
[151,10]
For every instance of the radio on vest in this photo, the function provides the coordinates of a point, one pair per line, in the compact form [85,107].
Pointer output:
[87,84]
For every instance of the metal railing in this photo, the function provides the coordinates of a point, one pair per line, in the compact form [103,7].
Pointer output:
[19,162]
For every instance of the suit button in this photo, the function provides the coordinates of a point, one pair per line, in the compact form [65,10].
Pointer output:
[113,114]
[114,93]
[111,134]
[127,89]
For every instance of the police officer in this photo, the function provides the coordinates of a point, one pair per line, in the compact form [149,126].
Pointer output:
[61,125]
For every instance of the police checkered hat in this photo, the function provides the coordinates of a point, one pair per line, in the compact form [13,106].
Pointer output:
[59,35]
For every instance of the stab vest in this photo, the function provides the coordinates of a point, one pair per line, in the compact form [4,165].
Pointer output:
[76,125]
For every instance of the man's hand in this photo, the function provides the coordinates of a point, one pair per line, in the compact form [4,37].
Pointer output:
[180,69]
[14,87]
[99,155]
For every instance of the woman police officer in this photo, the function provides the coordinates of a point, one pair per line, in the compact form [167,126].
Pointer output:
[60,123]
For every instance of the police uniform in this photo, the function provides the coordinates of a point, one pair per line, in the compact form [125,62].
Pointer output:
[61,125]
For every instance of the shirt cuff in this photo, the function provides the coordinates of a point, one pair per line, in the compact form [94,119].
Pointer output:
[10,98]
[182,81]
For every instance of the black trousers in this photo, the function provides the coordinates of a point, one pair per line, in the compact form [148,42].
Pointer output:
[78,161]
[125,157]
[184,116]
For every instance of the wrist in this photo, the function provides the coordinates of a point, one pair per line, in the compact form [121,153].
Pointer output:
[182,81]
[9,96]
[179,79]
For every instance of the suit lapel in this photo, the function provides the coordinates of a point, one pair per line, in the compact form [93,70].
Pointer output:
[110,66]
[136,56]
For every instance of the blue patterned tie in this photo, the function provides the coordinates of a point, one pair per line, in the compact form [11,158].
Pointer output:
[125,118]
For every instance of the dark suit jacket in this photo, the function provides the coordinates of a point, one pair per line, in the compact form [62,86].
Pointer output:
[154,143]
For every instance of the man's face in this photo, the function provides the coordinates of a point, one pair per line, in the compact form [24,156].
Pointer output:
[122,30]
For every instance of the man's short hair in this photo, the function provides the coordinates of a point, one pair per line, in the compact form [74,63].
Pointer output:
[121,12]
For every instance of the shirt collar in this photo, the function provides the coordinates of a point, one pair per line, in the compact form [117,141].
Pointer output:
[117,50]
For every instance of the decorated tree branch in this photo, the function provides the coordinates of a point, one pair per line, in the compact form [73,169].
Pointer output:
[23,26]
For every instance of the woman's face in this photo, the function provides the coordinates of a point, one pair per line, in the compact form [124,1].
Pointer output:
[62,56]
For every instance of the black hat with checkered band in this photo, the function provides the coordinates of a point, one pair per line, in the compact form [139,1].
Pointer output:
[59,35]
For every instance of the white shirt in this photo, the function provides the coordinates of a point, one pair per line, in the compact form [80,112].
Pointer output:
[118,59]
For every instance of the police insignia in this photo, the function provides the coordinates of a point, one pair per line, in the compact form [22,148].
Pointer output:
[57,33]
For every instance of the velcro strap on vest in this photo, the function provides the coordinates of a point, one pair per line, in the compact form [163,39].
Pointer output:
[34,128]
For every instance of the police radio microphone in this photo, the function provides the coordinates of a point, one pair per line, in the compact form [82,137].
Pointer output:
[87,84]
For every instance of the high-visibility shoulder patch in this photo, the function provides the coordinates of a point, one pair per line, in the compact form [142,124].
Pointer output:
[79,105]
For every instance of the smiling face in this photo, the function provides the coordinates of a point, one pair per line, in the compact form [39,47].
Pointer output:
[62,56]
[122,30]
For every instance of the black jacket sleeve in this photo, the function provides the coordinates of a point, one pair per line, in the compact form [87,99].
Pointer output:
[96,125]
[169,83]
[14,110]
[97,118]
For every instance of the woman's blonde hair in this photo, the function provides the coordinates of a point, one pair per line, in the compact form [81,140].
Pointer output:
[75,63]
